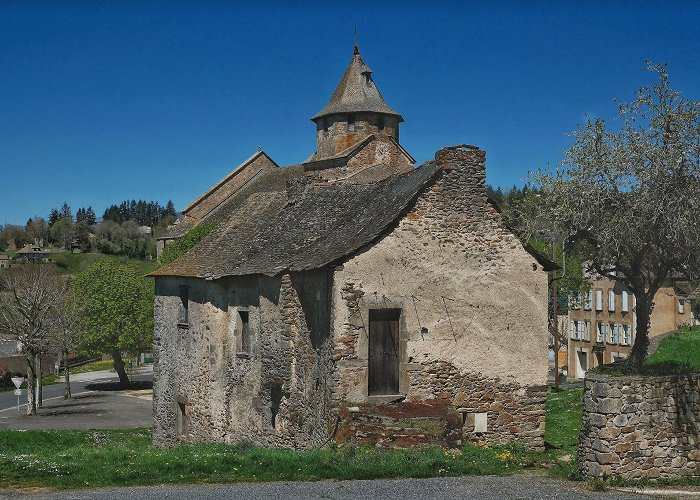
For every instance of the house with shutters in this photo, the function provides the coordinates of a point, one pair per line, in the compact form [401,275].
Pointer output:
[602,323]
[352,298]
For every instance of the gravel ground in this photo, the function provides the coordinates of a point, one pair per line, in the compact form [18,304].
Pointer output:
[472,487]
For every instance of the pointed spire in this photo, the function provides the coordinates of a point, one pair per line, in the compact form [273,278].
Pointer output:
[357,92]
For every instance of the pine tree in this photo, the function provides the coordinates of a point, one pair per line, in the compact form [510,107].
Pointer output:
[170,209]
[65,211]
[90,218]
[53,216]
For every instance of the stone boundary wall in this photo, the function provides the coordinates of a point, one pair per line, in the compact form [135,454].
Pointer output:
[637,427]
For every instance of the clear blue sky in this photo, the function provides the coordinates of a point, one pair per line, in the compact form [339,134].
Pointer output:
[105,101]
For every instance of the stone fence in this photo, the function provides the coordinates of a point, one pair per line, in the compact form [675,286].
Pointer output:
[636,427]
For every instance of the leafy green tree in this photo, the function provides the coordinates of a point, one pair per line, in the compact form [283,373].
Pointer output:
[628,198]
[116,310]
[37,228]
[62,232]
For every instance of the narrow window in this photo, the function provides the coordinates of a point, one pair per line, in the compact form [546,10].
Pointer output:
[599,300]
[351,123]
[380,123]
[600,332]
[611,300]
[244,345]
[183,317]
[588,305]
[574,330]
[275,400]
[182,417]
[626,334]
[681,306]
[625,301]
[587,330]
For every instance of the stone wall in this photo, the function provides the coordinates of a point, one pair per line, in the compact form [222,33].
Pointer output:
[376,160]
[208,387]
[473,302]
[636,427]
[333,136]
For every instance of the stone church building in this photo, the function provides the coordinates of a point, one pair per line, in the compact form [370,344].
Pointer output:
[352,298]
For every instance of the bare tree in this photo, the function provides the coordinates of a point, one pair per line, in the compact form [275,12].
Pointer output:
[29,295]
[628,199]
[65,332]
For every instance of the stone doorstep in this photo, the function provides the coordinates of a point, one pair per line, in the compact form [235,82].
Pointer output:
[691,492]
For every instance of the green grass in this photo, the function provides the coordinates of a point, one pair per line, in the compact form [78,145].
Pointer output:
[92,367]
[562,424]
[76,459]
[563,419]
[681,349]
[70,459]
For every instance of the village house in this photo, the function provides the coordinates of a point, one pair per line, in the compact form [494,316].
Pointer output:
[32,253]
[602,322]
[351,298]
[5,262]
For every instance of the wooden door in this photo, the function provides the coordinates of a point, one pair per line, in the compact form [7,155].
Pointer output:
[384,351]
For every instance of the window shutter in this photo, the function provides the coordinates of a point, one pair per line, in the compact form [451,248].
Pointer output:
[599,300]
[625,301]
[611,300]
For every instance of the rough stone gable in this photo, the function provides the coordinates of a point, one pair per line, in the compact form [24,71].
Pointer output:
[473,308]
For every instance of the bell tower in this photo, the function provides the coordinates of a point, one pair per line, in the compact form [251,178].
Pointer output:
[356,110]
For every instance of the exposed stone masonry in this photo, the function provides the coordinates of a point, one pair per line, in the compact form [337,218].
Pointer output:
[638,427]
[513,412]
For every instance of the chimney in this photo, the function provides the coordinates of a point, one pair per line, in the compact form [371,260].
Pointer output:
[463,182]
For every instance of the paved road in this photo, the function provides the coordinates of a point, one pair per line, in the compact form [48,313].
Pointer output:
[462,488]
[78,384]
[97,403]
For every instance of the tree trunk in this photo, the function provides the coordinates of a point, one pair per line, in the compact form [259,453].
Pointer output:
[39,382]
[643,307]
[66,374]
[31,378]
[119,367]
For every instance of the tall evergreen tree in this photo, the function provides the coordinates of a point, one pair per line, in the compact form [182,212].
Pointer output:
[90,218]
[53,216]
[65,211]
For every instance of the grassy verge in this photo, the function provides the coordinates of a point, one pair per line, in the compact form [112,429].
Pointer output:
[70,459]
[681,349]
[75,459]
[92,367]
[562,425]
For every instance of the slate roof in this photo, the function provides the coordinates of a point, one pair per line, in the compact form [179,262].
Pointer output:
[267,228]
[274,180]
[356,92]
